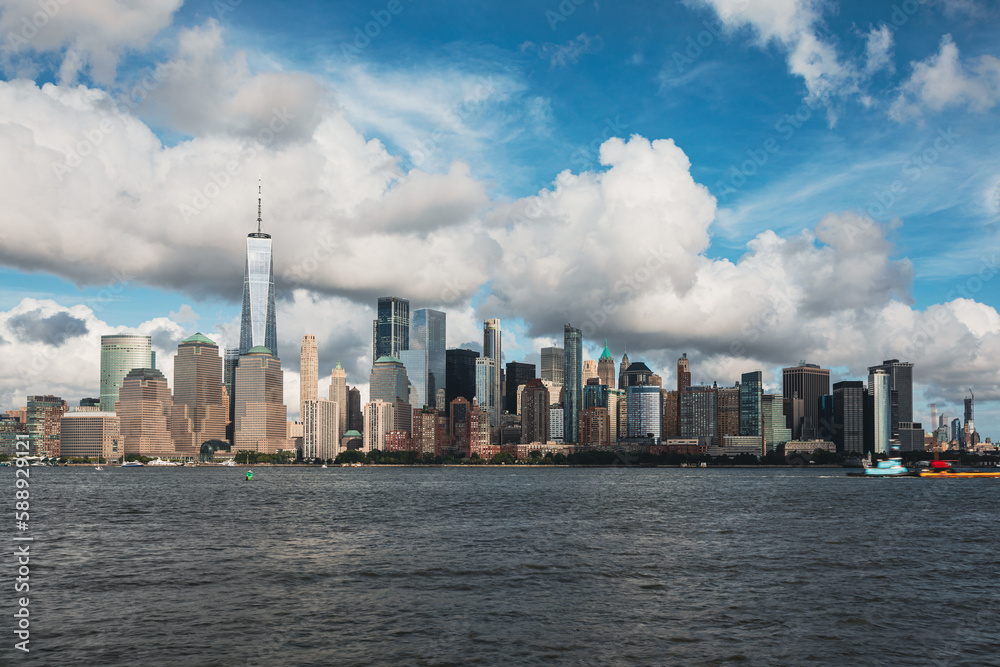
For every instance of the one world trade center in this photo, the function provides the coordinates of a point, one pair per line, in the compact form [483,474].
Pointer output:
[257,324]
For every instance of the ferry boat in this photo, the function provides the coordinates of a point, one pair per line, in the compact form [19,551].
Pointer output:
[943,469]
[890,468]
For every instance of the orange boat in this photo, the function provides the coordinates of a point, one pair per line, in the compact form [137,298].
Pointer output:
[943,469]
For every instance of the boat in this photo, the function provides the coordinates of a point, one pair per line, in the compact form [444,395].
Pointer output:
[891,468]
[161,462]
[99,468]
[944,469]
[131,464]
[323,466]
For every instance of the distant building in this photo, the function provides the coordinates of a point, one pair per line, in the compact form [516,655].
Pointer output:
[616,410]
[727,403]
[319,429]
[201,406]
[261,414]
[644,416]
[698,414]
[573,383]
[606,367]
[594,427]
[589,370]
[428,332]
[911,436]
[389,381]
[751,390]
[258,326]
[622,367]
[120,354]
[379,419]
[355,417]
[492,350]
[535,413]
[339,395]
[480,432]
[486,372]
[308,371]
[849,417]
[91,435]
[776,433]
[683,374]
[636,375]
[671,414]
[556,423]
[44,419]
[460,371]
[878,389]
[518,375]
[391,328]
[900,390]
[144,408]
[459,424]
[806,382]
[553,365]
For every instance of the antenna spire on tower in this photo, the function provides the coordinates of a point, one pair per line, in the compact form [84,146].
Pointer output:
[258,204]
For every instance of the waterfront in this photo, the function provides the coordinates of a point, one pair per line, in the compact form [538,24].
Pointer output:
[501,566]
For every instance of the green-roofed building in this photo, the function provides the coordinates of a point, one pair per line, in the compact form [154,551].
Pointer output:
[606,367]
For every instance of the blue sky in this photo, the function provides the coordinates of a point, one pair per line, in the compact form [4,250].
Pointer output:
[781,113]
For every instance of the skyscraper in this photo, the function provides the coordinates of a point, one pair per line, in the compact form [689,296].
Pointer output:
[776,433]
[878,388]
[806,382]
[319,429]
[388,381]
[849,416]
[751,390]
[622,367]
[338,394]
[230,360]
[486,372]
[261,415]
[606,368]
[460,371]
[308,372]
[553,361]
[201,408]
[589,370]
[683,373]
[355,419]
[44,416]
[258,326]
[120,354]
[391,328]
[535,412]
[645,416]
[901,388]
[428,332]
[518,375]
[728,406]
[698,414]
[573,383]
[144,407]
[415,363]
[638,374]
[492,350]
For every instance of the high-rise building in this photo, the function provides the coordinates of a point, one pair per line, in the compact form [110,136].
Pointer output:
[622,367]
[380,418]
[595,395]
[230,359]
[698,414]
[683,373]
[319,429]
[573,383]
[461,375]
[91,435]
[428,333]
[338,394]
[728,405]
[428,435]
[535,412]
[492,350]
[901,388]
[120,353]
[637,374]
[557,421]
[594,427]
[391,328]
[645,416]
[671,414]
[388,381]
[751,390]
[606,367]
[849,416]
[261,415]
[553,364]
[258,325]
[308,371]
[589,370]
[776,433]
[144,408]
[806,382]
[486,372]
[355,418]
[518,375]
[480,432]
[415,363]
[878,388]
[201,408]
[616,427]
[458,424]
[44,418]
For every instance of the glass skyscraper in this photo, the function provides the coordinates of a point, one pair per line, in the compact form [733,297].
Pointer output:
[258,326]
[751,390]
[427,332]
[644,411]
[119,355]
[573,385]
[391,329]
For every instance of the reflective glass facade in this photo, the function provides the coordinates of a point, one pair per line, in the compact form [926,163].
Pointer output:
[258,326]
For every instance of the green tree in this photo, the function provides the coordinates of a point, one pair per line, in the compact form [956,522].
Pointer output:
[350,456]
[501,458]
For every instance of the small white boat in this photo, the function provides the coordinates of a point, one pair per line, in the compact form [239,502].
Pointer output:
[323,466]
[131,464]
[98,468]
[160,462]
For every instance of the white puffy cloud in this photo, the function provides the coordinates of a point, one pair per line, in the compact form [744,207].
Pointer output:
[943,80]
[878,49]
[88,36]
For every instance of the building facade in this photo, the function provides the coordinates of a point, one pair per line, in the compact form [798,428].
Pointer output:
[428,331]
[258,323]
[144,409]
[391,328]
[261,415]
[320,419]
[119,355]
[308,371]
[91,435]
[201,405]
[573,383]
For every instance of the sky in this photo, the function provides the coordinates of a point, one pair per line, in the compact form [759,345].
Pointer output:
[750,182]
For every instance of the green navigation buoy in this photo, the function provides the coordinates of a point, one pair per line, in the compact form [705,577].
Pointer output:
[249,475]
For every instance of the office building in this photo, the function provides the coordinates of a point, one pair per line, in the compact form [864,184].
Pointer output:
[144,408]
[91,435]
[849,417]
[622,367]
[379,419]
[671,414]
[518,375]
[415,364]
[460,371]
[201,408]
[683,374]
[492,350]
[119,355]
[230,359]
[595,395]
[338,394]
[751,390]
[805,382]
[776,432]
[486,372]
[698,415]
[535,412]
[589,370]
[480,433]
[901,390]
[573,383]
[606,367]
[594,427]
[388,381]
[637,374]
[308,371]
[261,415]
[557,422]
[391,328]
[43,421]
[617,427]
[428,333]
[727,402]
[355,418]
[553,365]
[258,325]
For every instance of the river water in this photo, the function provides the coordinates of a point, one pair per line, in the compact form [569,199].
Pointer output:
[505,566]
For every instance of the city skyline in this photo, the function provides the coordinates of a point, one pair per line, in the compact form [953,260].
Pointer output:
[743,278]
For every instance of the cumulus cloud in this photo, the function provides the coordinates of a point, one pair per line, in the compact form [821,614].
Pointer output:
[943,81]
[89,36]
